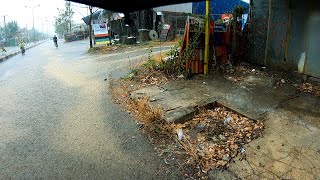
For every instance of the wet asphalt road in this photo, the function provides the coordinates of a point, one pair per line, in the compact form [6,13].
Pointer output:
[57,120]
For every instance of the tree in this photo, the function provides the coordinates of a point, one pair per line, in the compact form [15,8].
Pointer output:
[63,21]
[10,30]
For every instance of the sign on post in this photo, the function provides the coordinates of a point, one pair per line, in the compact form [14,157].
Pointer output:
[101,34]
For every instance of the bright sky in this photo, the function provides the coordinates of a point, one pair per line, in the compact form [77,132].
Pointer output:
[43,14]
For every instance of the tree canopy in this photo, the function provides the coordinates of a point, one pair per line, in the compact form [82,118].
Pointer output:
[63,21]
[10,30]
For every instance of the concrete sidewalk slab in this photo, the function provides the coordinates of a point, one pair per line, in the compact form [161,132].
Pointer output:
[290,148]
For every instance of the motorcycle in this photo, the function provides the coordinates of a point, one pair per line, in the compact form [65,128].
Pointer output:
[56,44]
[22,48]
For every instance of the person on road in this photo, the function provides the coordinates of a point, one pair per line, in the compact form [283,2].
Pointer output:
[22,47]
[55,40]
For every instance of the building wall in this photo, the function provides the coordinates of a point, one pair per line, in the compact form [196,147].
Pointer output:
[294,27]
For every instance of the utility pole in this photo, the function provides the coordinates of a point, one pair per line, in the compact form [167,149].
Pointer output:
[207,38]
[4,25]
[69,15]
[90,27]
[34,34]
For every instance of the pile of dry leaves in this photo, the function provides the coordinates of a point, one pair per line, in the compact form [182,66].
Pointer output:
[215,137]
[309,88]
[154,79]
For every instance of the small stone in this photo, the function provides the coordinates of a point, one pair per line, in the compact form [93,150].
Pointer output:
[201,127]
[258,147]
[105,79]
[283,81]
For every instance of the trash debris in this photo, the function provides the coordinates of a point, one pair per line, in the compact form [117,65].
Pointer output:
[263,68]
[201,147]
[204,83]
[283,81]
[253,70]
[105,79]
[226,121]
[180,134]
[226,157]
[222,137]
[201,127]
[181,76]
[217,136]
[309,88]
[166,161]
[242,150]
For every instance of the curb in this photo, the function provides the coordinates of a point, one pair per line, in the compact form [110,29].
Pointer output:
[19,51]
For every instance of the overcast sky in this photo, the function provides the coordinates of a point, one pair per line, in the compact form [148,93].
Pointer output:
[43,14]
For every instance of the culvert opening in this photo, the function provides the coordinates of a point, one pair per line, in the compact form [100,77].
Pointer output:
[216,135]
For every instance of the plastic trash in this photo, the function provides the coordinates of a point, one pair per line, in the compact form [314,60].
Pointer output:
[226,121]
[181,76]
[180,134]
[242,150]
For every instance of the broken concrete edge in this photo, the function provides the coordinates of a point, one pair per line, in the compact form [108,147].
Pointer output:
[184,114]
[18,52]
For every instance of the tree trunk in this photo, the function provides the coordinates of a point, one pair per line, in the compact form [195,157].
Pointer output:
[90,27]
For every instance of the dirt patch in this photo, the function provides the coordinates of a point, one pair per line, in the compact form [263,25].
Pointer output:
[123,48]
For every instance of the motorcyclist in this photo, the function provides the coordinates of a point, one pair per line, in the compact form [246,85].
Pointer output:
[22,47]
[55,40]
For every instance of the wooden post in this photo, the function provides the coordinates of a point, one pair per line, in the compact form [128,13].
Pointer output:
[207,38]
[268,34]
[288,34]
[90,27]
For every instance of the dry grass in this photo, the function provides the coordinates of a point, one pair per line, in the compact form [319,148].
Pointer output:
[141,109]
[148,113]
